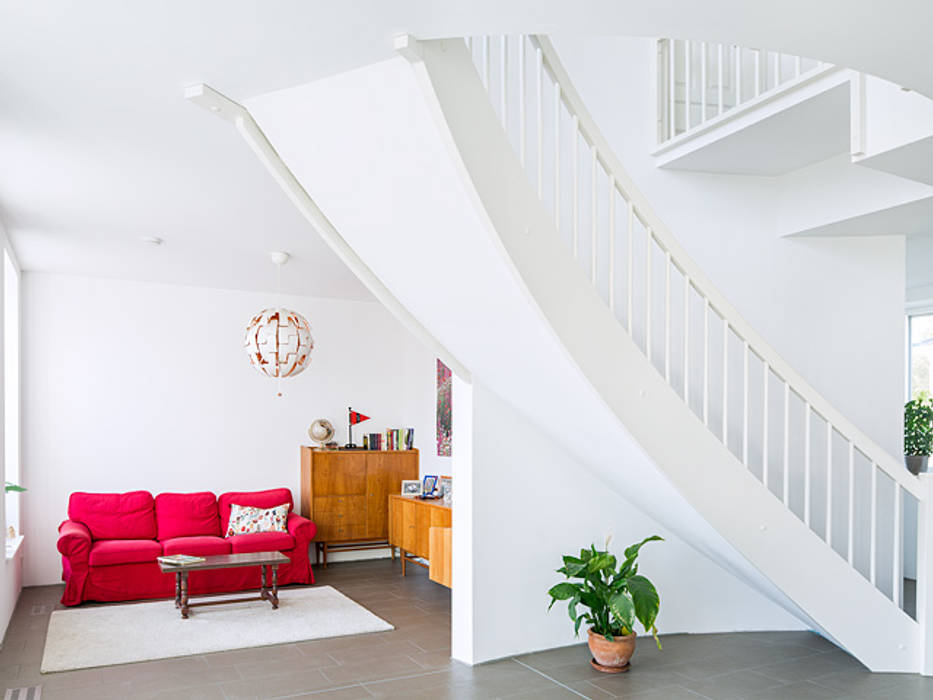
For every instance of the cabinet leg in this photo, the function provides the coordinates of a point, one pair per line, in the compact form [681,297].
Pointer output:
[402,555]
[324,547]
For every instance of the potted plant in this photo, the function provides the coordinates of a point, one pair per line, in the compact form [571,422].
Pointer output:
[612,596]
[918,432]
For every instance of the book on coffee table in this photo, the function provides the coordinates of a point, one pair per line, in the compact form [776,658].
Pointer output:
[180,560]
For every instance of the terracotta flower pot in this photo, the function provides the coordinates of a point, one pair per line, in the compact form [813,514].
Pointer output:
[611,657]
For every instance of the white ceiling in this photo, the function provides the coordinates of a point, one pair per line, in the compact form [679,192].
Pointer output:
[98,147]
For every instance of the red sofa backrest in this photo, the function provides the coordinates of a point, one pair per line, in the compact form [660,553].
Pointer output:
[115,516]
[257,499]
[187,515]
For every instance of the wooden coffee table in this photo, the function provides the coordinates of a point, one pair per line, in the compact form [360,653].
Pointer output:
[263,560]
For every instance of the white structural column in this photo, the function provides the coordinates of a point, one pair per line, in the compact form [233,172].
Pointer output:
[925,574]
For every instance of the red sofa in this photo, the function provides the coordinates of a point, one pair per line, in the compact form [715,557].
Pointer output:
[110,543]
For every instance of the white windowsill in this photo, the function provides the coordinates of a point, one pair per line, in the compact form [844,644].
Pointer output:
[13,546]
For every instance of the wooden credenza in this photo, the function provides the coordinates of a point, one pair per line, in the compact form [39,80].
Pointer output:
[345,493]
[421,529]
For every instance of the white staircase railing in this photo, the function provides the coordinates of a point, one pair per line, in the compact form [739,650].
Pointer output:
[837,480]
[700,82]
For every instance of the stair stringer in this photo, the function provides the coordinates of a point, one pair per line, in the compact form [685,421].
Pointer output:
[772,539]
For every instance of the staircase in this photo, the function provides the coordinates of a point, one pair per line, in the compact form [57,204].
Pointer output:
[705,358]
[740,456]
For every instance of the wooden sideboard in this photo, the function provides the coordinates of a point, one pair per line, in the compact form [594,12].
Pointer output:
[416,525]
[345,493]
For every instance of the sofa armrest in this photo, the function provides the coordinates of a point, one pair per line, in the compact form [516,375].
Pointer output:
[300,527]
[74,541]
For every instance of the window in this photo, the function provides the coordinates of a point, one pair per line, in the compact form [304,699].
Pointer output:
[11,386]
[920,344]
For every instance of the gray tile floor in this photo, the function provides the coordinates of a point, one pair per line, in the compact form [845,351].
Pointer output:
[413,661]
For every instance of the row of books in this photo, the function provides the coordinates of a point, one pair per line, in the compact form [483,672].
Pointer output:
[393,439]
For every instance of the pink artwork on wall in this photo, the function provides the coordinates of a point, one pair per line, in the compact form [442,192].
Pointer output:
[444,398]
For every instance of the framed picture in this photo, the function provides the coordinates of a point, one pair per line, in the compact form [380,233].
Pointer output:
[445,484]
[411,487]
[429,485]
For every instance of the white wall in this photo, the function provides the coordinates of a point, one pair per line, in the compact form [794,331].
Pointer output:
[832,308]
[146,386]
[531,502]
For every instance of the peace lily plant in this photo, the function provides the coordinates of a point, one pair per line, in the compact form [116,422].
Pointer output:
[918,432]
[609,597]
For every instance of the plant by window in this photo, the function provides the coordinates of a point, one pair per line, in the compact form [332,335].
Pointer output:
[612,595]
[918,425]
[10,486]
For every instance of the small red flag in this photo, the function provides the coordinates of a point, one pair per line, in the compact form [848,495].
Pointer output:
[357,417]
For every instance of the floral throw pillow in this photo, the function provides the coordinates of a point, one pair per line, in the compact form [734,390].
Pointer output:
[245,520]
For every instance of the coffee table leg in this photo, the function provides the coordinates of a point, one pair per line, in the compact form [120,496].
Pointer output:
[177,589]
[275,586]
[263,592]
[184,595]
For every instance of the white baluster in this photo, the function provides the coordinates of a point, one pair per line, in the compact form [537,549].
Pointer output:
[575,211]
[745,402]
[797,66]
[648,246]
[688,57]
[720,88]
[706,361]
[829,483]
[672,89]
[687,284]
[757,56]
[738,75]
[777,69]
[503,83]
[629,262]
[786,446]
[897,575]
[667,317]
[872,546]
[806,463]
[539,68]
[851,542]
[521,99]
[725,381]
[612,244]
[486,62]
[764,426]
[557,154]
[593,163]
[703,61]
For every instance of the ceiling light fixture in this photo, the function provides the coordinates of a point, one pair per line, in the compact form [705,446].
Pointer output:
[278,340]
[151,240]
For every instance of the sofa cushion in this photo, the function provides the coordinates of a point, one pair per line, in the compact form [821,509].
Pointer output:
[258,499]
[245,520]
[261,542]
[187,515]
[115,516]
[201,546]
[108,552]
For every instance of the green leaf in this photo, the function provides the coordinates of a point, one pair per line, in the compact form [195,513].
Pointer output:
[600,561]
[646,600]
[10,486]
[563,591]
[632,551]
[572,566]
[623,610]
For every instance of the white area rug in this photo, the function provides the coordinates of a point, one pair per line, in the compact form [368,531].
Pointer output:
[126,633]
